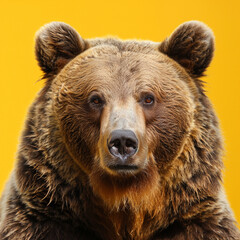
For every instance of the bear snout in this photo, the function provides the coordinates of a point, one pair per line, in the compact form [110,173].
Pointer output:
[122,144]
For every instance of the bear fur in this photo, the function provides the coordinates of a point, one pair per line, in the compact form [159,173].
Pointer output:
[161,180]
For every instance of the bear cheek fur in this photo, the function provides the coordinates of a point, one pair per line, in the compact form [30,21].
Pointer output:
[74,117]
[173,123]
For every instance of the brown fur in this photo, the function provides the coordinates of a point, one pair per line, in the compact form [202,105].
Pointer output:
[63,187]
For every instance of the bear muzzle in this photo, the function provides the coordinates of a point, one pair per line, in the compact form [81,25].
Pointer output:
[123,151]
[122,144]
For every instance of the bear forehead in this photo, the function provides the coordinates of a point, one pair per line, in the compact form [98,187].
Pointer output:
[110,67]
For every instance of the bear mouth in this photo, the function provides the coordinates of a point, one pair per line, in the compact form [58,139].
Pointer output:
[120,167]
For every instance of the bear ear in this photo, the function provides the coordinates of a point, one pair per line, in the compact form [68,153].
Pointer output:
[56,44]
[191,45]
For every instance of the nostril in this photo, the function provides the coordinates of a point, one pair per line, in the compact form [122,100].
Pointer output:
[116,143]
[130,147]
[131,143]
[114,150]
[115,147]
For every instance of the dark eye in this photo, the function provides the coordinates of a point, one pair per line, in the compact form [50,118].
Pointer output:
[96,101]
[148,100]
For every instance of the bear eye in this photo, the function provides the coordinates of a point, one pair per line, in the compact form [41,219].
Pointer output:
[96,101]
[148,100]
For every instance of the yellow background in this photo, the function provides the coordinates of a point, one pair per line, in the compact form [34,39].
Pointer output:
[151,19]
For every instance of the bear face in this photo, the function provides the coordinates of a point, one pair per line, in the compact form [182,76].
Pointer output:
[108,90]
[121,143]
[110,87]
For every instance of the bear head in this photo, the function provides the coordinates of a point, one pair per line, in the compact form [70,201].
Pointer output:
[132,114]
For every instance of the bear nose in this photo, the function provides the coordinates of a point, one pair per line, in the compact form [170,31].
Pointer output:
[123,144]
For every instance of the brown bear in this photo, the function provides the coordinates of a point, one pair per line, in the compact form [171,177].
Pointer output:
[121,143]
